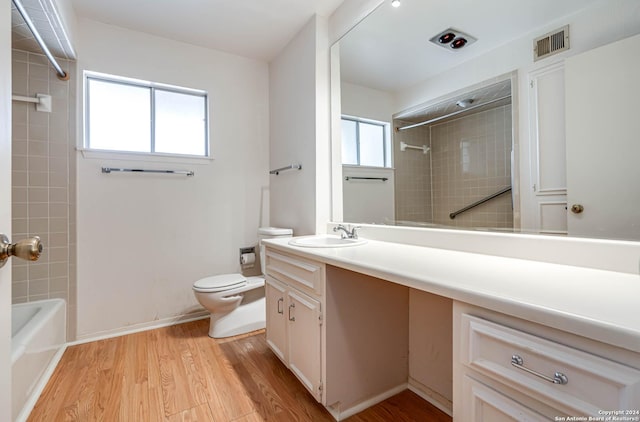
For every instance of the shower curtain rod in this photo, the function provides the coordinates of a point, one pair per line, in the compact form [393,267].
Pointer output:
[62,75]
[455,113]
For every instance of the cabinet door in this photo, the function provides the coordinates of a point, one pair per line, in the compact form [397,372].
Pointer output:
[483,404]
[303,315]
[275,293]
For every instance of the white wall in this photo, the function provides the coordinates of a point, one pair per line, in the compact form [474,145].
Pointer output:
[144,239]
[5,209]
[299,123]
[361,101]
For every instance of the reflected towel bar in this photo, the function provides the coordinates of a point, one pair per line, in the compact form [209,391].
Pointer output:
[404,146]
[185,172]
[384,179]
[289,167]
[482,201]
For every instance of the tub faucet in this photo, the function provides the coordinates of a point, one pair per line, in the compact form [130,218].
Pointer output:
[347,233]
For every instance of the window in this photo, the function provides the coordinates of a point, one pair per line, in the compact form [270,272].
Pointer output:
[365,142]
[136,116]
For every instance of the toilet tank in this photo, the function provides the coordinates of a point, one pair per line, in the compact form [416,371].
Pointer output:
[270,233]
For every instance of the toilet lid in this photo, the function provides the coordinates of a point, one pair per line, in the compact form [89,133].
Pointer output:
[220,282]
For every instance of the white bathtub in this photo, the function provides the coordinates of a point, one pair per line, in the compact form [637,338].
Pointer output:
[38,337]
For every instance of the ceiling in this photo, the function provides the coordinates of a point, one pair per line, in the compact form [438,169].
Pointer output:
[257,29]
[48,24]
[390,49]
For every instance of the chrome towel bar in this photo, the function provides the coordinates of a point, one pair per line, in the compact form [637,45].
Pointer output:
[482,201]
[384,179]
[111,169]
[289,167]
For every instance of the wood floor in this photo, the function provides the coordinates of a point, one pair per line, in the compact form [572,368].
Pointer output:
[178,373]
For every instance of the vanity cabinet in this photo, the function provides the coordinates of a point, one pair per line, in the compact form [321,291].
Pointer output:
[294,316]
[509,369]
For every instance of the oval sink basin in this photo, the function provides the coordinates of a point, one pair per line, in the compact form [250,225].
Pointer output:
[325,242]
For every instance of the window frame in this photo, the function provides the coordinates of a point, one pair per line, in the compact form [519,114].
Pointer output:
[152,86]
[386,141]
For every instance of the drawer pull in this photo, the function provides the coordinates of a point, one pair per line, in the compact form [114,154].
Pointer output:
[293,305]
[558,377]
[280,307]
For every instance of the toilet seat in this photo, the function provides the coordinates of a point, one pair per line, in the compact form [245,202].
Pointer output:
[219,283]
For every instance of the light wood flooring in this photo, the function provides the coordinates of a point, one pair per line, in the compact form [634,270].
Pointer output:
[178,373]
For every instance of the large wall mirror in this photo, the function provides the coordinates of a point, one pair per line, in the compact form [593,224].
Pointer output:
[494,115]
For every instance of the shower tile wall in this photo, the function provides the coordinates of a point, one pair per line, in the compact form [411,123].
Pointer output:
[43,182]
[471,158]
[412,175]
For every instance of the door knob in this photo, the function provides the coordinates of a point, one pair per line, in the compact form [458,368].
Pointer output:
[29,249]
[577,208]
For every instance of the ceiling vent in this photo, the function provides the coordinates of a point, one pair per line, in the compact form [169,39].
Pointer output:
[551,43]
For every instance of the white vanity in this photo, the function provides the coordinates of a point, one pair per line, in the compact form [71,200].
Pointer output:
[485,338]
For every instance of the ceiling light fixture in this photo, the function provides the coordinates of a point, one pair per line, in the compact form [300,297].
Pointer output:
[395,3]
[452,39]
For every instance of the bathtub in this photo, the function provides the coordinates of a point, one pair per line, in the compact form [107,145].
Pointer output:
[38,338]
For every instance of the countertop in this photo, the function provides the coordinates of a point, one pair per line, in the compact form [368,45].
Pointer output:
[601,305]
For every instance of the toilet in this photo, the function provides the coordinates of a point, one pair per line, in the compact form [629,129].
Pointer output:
[237,303]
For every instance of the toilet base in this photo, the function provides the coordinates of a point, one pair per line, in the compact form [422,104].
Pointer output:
[244,319]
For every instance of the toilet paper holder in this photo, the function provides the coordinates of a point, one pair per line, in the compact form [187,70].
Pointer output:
[244,251]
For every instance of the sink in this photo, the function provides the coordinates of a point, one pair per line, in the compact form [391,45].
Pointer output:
[325,241]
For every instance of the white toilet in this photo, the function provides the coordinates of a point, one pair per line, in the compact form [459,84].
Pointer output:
[237,303]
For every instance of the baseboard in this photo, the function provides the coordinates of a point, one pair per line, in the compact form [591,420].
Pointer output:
[39,387]
[431,396]
[145,326]
[339,415]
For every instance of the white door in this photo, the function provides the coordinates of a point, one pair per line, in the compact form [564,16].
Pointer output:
[303,314]
[5,208]
[275,294]
[547,133]
[603,141]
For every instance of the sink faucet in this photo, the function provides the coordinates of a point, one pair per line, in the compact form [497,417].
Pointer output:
[347,232]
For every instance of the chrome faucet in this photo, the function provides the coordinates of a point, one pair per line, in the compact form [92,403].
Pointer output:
[347,232]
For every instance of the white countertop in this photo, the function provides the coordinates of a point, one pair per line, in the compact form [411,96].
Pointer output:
[598,304]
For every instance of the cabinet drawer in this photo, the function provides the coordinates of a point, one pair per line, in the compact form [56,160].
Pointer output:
[568,378]
[302,273]
[485,404]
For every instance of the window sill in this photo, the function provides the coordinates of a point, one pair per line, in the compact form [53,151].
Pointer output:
[143,156]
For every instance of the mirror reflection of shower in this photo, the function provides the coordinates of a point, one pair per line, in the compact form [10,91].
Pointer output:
[451,164]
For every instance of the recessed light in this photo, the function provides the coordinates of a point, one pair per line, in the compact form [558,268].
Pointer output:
[395,3]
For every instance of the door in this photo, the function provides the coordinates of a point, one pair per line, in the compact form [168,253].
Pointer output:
[602,91]
[5,208]
[303,314]
[548,168]
[275,294]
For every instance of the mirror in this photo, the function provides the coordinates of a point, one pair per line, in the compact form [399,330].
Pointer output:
[484,136]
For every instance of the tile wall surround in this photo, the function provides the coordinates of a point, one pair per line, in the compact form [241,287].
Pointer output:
[412,175]
[470,158]
[43,182]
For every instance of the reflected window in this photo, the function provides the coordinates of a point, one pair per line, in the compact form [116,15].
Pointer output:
[136,116]
[365,142]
